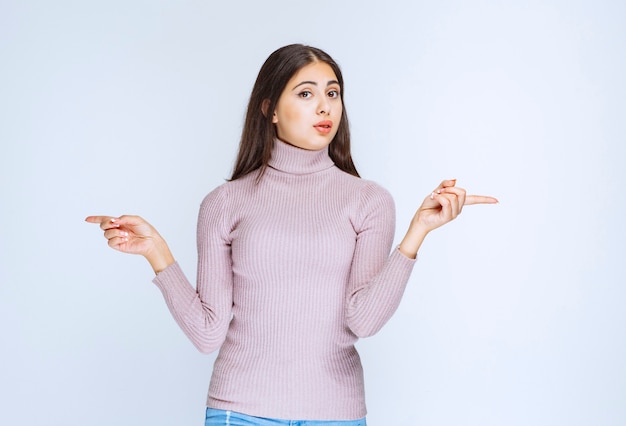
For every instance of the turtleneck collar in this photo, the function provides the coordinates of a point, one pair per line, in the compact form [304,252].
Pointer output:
[291,159]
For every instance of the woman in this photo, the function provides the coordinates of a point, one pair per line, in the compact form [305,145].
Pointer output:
[293,256]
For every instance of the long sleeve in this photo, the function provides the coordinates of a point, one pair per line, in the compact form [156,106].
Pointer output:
[377,279]
[204,313]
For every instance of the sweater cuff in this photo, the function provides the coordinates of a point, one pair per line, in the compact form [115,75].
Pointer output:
[397,252]
[173,283]
[171,273]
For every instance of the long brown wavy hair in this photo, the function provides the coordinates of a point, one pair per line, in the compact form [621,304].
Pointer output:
[259,133]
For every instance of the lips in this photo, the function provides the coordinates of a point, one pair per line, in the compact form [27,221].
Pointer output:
[324,126]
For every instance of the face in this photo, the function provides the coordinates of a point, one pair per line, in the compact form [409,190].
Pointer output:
[309,109]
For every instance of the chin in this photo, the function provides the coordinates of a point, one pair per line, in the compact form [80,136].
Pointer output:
[316,147]
[310,146]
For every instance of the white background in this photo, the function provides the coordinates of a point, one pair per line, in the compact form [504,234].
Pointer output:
[513,315]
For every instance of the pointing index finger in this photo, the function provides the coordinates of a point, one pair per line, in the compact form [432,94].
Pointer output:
[96,219]
[480,199]
[105,222]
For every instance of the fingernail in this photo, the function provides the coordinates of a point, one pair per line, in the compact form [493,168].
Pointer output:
[112,220]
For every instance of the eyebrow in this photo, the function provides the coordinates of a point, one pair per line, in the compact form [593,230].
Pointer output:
[330,82]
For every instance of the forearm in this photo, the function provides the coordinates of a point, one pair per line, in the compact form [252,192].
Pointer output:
[412,241]
[159,256]
[372,303]
[202,315]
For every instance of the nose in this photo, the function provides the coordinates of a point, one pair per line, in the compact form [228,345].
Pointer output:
[324,106]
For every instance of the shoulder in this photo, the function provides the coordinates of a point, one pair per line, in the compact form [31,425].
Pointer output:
[376,200]
[366,191]
[223,202]
[217,213]
[369,201]
[216,197]
[229,190]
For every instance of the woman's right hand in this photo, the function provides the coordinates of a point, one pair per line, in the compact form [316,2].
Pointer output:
[132,234]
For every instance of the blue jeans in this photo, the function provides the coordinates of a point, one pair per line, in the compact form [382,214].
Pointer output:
[230,418]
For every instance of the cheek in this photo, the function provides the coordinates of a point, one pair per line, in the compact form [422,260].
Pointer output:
[338,114]
[290,115]
[292,118]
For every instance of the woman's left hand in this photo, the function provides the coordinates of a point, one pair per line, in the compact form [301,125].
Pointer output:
[443,205]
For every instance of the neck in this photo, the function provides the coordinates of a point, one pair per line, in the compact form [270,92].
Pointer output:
[291,159]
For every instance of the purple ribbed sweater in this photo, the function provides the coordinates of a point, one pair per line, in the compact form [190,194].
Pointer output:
[291,271]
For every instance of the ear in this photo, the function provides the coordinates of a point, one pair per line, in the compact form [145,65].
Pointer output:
[264,106]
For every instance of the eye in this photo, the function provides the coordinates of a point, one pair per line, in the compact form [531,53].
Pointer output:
[333,93]
[305,94]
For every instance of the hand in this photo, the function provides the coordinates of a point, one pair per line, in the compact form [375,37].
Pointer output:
[132,234]
[443,205]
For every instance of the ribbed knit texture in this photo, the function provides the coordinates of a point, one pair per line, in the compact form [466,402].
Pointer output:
[291,271]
